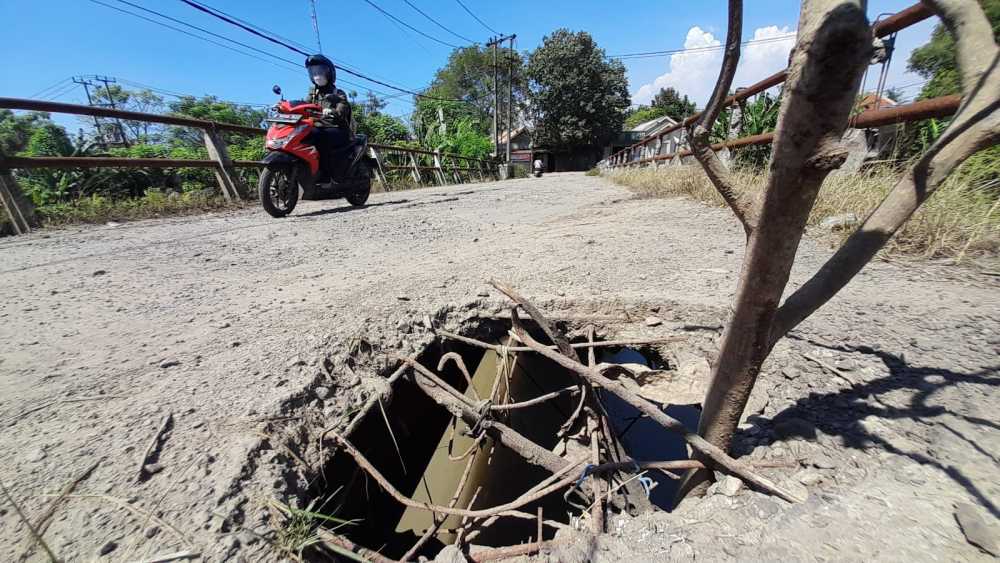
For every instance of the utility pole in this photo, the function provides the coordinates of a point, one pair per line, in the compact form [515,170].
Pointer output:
[496,100]
[90,102]
[510,100]
[495,42]
[111,100]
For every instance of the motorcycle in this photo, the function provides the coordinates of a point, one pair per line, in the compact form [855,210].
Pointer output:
[293,162]
[538,170]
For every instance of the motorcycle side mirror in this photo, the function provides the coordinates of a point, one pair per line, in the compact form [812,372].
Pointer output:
[276,89]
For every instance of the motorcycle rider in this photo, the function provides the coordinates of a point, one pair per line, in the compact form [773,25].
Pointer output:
[333,131]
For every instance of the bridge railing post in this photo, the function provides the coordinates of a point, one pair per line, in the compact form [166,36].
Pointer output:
[229,181]
[416,167]
[19,207]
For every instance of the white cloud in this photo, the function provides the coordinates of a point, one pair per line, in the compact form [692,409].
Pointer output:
[693,73]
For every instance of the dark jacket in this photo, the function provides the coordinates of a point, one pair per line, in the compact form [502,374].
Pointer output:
[332,98]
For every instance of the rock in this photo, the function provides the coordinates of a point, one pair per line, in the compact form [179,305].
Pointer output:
[795,488]
[766,508]
[790,372]
[152,531]
[975,529]
[224,325]
[808,477]
[838,222]
[99,273]
[35,455]
[483,293]
[107,548]
[169,363]
[653,321]
[824,462]
[729,486]
[450,554]
[794,427]
[872,426]
[152,468]
[322,393]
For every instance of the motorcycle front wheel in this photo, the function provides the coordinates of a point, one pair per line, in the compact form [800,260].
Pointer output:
[279,190]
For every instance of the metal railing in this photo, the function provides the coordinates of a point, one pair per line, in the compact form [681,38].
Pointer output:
[392,162]
[650,149]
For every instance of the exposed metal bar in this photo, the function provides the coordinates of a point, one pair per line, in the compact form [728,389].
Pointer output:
[892,24]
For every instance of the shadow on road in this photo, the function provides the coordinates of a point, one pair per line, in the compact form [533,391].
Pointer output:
[349,208]
[843,412]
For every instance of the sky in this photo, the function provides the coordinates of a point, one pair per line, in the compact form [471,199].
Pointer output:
[46,43]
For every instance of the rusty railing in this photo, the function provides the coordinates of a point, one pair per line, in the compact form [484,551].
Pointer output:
[391,161]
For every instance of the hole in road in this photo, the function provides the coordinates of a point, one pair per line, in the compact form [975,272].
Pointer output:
[412,450]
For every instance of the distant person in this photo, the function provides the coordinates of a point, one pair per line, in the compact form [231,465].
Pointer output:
[333,131]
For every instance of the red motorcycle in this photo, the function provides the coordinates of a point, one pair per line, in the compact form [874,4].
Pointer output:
[294,163]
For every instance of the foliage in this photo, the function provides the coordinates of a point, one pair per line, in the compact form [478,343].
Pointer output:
[677,107]
[380,128]
[936,62]
[641,115]
[468,76]
[154,203]
[144,101]
[757,116]
[578,96]
[464,139]
[16,129]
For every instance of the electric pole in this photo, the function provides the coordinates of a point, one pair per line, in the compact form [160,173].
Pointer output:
[90,101]
[495,42]
[510,100]
[111,100]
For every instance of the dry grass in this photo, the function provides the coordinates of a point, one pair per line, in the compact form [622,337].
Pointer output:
[97,209]
[960,220]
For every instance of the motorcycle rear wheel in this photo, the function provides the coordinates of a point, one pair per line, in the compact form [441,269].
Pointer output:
[363,177]
[279,190]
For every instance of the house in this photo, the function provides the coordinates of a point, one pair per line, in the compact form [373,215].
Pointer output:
[523,152]
[667,144]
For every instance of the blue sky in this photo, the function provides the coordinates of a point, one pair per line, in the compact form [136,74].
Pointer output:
[45,42]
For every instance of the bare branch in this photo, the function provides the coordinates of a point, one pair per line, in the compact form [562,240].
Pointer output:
[834,45]
[596,376]
[975,127]
[364,464]
[698,137]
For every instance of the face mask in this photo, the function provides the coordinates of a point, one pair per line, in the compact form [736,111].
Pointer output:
[319,80]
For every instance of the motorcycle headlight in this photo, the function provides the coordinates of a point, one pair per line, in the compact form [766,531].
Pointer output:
[277,143]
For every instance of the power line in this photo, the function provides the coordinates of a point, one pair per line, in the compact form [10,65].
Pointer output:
[247,28]
[179,30]
[651,54]
[437,23]
[468,11]
[401,22]
[51,87]
[255,26]
[290,65]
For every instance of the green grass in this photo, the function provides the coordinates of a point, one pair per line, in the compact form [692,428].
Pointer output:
[960,220]
[98,209]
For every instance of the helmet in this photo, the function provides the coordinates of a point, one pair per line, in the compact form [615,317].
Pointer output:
[322,71]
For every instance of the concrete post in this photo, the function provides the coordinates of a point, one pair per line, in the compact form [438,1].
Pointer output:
[439,172]
[379,171]
[225,173]
[416,168]
[19,207]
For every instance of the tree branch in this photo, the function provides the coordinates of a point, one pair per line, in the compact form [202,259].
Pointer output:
[976,126]
[596,376]
[698,135]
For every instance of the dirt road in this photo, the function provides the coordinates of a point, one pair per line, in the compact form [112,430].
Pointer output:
[233,323]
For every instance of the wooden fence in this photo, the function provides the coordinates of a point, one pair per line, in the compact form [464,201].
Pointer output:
[392,162]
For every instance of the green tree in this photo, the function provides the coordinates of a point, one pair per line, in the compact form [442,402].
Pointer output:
[468,76]
[143,101]
[16,129]
[643,114]
[673,104]
[462,138]
[578,96]
[936,62]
